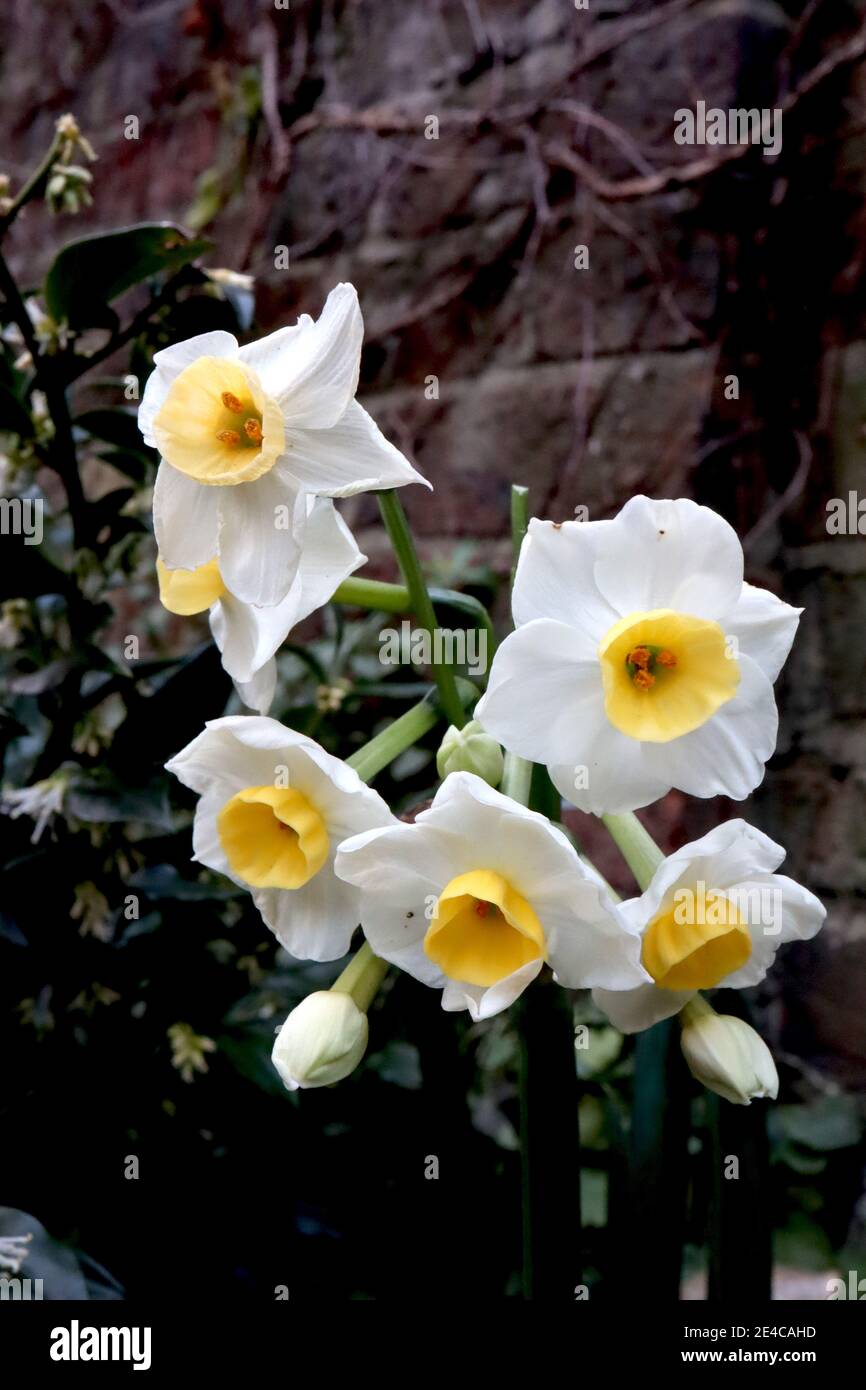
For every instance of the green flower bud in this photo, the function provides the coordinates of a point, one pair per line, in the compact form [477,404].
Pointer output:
[470,749]
[321,1041]
[726,1055]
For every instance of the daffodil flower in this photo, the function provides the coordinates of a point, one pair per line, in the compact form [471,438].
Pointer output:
[245,431]
[640,661]
[248,637]
[479,893]
[273,808]
[714,914]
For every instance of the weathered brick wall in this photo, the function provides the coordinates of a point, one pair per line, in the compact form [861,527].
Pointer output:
[555,130]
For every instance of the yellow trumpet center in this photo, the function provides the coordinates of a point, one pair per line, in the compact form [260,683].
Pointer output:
[483,930]
[189,591]
[217,425]
[665,674]
[273,837]
[696,942]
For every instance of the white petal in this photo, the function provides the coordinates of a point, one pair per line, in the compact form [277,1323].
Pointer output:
[329,554]
[351,456]
[795,915]
[765,628]
[206,844]
[555,576]
[169,363]
[315,922]
[544,689]
[237,751]
[258,692]
[610,772]
[258,556]
[271,357]
[400,871]
[483,1002]
[248,636]
[725,756]
[322,364]
[589,941]
[185,519]
[670,554]
[632,1010]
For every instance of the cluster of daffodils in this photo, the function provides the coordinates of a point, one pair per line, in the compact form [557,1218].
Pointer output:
[640,661]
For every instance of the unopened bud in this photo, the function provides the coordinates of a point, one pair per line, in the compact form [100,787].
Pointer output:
[470,749]
[726,1055]
[321,1041]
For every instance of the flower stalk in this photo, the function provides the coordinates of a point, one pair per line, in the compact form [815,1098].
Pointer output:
[362,977]
[391,742]
[397,527]
[635,844]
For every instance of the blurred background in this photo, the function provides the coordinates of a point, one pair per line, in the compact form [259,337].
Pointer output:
[449,158]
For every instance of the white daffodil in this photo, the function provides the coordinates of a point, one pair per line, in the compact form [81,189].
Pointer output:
[248,637]
[244,431]
[479,893]
[714,914]
[641,661]
[273,808]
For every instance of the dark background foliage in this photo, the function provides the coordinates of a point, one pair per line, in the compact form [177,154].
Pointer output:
[259,129]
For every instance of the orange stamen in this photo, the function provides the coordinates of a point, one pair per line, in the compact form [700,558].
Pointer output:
[639,657]
[231,402]
[228,437]
[482,908]
[666,658]
[253,430]
[643,680]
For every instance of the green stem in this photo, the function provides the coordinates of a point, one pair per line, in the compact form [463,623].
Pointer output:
[636,845]
[33,187]
[60,453]
[362,977]
[517,776]
[394,598]
[516,779]
[519,522]
[397,526]
[391,742]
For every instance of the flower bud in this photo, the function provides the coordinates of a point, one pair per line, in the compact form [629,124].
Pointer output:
[727,1056]
[470,749]
[321,1041]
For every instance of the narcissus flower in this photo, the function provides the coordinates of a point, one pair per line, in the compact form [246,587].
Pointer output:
[273,808]
[479,893]
[244,431]
[714,914]
[726,1055]
[248,637]
[641,661]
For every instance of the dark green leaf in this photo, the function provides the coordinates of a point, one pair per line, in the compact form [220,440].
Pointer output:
[13,415]
[87,275]
[117,427]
